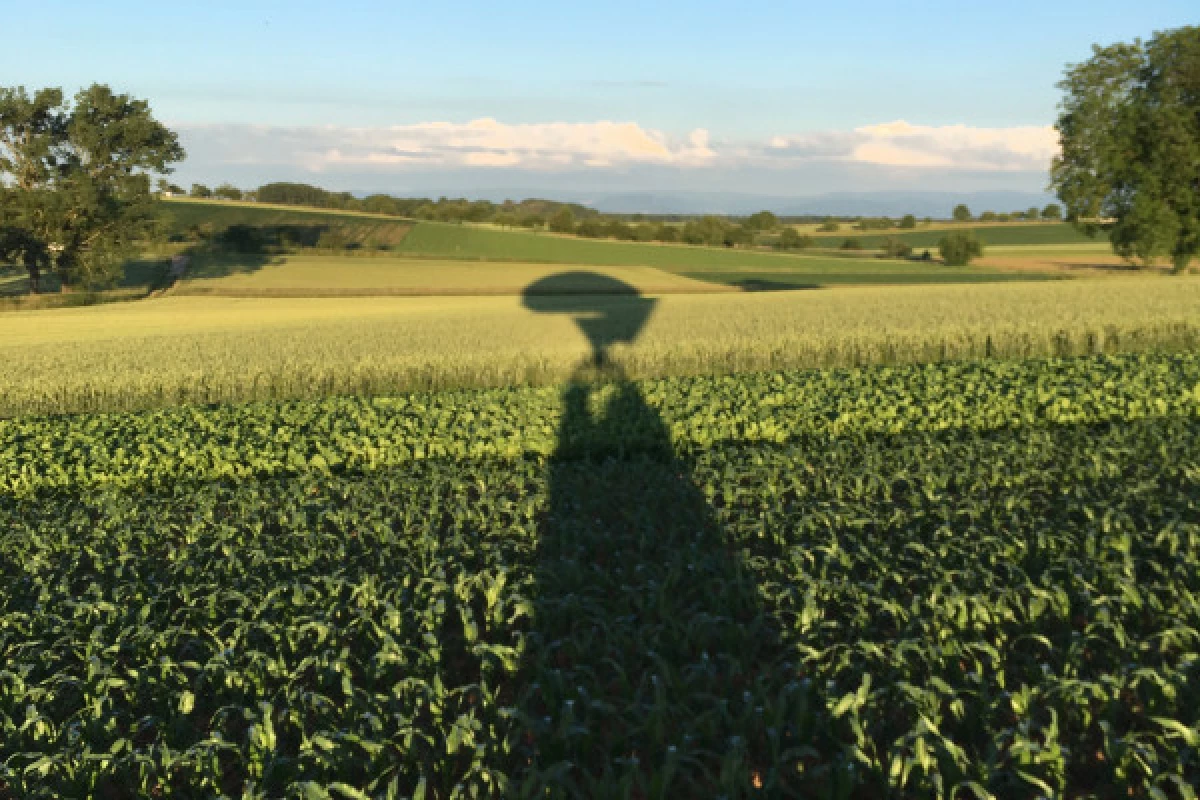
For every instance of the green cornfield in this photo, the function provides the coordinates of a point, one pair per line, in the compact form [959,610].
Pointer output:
[959,580]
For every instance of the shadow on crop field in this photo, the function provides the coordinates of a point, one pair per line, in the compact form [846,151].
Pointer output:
[650,648]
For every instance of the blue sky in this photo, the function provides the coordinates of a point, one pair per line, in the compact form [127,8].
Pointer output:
[349,94]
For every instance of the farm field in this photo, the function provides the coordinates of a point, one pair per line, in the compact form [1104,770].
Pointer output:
[227,349]
[835,583]
[312,274]
[315,275]
[1029,234]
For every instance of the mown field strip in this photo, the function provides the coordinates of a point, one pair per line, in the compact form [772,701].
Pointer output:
[198,349]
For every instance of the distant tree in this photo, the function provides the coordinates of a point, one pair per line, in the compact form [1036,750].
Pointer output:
[620,230]
[505,219]
[666,233]
[961,213]
[201,191]
[708,230]
[908,221]
[1032,213]
[762,221]
[738,236]
[1130,146]
[563,221]
[227,191]
[959,248]
[381,204]
[852,244]
[165,187]
[987,216]
[895,247]
[592,228]
[1005,217]
[830,225]
[645,232]
[791,239]
[1052,211]
[75,180]
[531,221]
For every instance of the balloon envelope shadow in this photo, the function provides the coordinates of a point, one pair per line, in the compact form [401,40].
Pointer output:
[606,309]
[649,649]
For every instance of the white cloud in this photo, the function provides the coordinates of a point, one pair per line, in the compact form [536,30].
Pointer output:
[479,143]
[558,146]
[901,144]
[949,147]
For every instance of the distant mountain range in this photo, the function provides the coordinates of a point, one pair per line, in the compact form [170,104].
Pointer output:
[936,204]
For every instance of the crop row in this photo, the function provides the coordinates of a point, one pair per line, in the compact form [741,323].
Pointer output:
[240,441]
[967,612]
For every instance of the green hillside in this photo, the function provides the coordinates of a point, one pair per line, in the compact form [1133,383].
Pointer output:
[182,218]
[1034,233]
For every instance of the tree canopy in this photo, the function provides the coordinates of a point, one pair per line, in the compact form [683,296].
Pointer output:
[1130,131]
[75,179]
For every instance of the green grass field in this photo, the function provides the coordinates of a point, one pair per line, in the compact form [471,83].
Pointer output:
[1032,233]
[213,349]
[306,274]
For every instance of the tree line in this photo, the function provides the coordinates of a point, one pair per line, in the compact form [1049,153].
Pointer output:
[76,197]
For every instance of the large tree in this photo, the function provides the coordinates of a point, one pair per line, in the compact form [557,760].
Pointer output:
[1130,130]
[75,180]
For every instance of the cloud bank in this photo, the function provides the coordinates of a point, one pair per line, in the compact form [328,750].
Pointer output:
[901,144]
[490,144]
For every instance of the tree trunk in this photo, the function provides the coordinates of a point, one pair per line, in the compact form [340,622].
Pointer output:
[1179,263]
[35,273]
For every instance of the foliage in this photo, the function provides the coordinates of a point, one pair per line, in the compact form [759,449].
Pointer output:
[563,221]
[227,191]
[927,581]
[959,248]
[761,221]
[830,225]
[895,247]
[1130,133]
[75,180]
[908,221]
[961,213]
[791,239]
[851,244]
[1052,211]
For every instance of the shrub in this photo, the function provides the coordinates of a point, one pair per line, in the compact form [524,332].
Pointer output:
[791,239]
[958,249]
[852,244]
[666,233]
[894,247]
